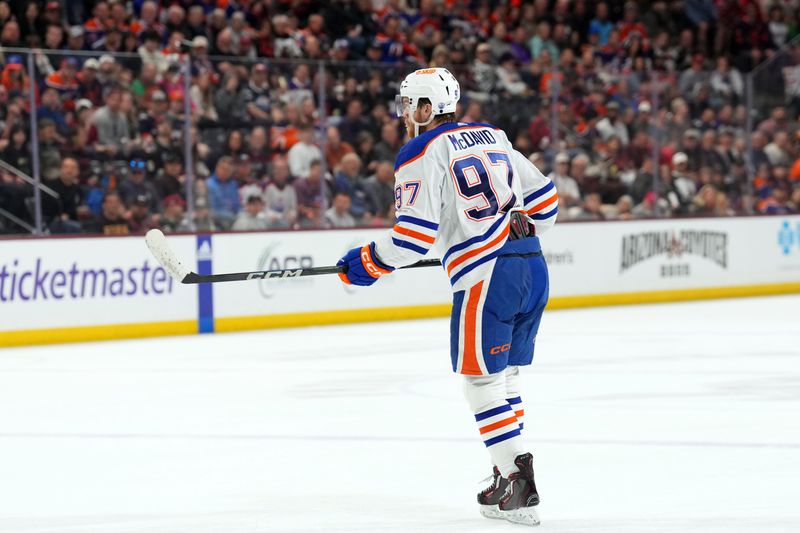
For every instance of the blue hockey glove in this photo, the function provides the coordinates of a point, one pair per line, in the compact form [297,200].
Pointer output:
[362,266]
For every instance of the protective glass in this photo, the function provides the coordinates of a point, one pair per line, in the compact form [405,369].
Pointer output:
[402,105]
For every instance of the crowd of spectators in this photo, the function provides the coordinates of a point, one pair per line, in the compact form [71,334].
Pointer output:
[290,121]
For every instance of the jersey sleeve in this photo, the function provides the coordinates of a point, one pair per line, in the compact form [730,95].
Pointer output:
[540,197]
[418,192]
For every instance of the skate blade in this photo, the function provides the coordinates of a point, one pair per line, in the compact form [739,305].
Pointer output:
[524,515]
[490,511]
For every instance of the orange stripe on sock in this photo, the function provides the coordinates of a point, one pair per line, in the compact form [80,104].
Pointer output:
[470,364]
[541,205]
[415,234]
[498,425]
[455,262]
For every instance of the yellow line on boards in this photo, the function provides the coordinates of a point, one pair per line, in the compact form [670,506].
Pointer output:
[28,337]
[348,316]
[673,295]
[345,316]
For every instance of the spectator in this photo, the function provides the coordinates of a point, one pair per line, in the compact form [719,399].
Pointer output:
[229,100]
[111,220]
[150,51]
[483,72]
[612,125]
[335,148]
[173,220]
[136,186]
[566,186]
[350,180]
[256,95]
[252,217]
[508,78]
[280,197]
[338,215]
[591,209]
[257,150]
[17,152]
[727,83]
[169,180]
[542,42]
[600,26]
[310,193]
[50,146]
[778,151]
[61,214]
[354,121]
[303,152]
[89,86]
[112,125]
[141,218]
[379,190]
[223,193]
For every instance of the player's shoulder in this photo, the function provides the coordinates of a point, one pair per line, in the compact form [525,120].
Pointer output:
[416,147]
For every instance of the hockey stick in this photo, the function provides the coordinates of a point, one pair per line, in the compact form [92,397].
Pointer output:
[166,257]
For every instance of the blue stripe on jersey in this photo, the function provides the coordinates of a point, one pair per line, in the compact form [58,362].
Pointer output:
[473,240]
[492,412]
[474,265]
[541,192]
[514,401]
[417,145]
[542,216]
[410,246]
[501,438]
[418,221]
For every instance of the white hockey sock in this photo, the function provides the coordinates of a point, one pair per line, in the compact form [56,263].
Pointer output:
[496,420]
[513,396]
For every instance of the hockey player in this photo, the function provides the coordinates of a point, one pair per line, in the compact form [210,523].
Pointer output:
[464,187]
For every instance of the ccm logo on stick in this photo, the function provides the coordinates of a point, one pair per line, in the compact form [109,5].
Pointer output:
[280,274]
[500,349]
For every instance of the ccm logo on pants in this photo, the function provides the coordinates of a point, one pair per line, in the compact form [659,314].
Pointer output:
[500,349]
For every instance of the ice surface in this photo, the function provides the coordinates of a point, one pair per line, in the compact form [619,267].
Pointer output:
[672,418]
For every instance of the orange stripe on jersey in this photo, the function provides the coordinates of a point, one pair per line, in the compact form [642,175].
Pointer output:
[470,363]
[415,234]
[520,414]
[429,142]
[498,425]
[541,205]
[460,259]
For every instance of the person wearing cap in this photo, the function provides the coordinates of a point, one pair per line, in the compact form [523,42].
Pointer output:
[682,183]
[173,219]
[567,187]
[75,38]
[252,217]
[136,184]
[169,179]
[140,216]
[51,108]
[483,71]
[612,125]
[64,80]
[89,86]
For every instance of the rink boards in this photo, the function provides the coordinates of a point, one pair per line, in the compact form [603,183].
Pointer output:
[75,289]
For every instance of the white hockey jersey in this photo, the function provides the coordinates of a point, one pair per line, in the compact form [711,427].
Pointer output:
[455,186]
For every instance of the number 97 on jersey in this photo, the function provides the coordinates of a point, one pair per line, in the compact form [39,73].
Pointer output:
[406,194]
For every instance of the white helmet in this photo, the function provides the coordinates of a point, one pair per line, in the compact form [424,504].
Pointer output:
[436,84]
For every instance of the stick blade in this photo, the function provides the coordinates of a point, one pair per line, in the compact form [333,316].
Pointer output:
[157,243]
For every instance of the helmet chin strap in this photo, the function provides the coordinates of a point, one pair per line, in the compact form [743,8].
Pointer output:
[418,124]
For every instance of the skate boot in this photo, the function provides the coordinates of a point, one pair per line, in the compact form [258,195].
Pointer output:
[519,503]
[490,497]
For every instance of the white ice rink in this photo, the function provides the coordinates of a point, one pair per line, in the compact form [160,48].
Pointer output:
[671,418]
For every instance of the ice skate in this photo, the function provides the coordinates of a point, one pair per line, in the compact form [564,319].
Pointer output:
[490,497]
[519,503]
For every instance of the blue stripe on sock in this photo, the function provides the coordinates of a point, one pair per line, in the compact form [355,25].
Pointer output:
[492,412]
[501,438]
[514,401]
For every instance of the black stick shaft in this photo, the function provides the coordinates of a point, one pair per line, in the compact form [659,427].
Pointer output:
[284,274]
